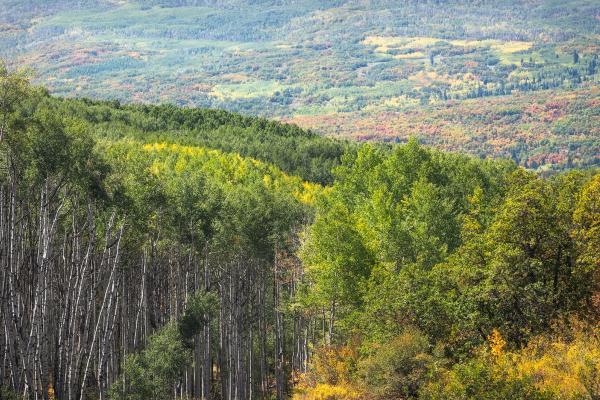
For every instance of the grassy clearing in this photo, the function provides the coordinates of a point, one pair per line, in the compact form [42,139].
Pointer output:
[247,90]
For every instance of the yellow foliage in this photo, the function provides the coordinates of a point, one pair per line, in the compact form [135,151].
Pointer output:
[308,193]
[408,56]
[329,375]
[267,181]
[233,167]
[385,43]
[51,393]
[511,47]
[332,364]
[325,391]
[181,165]
[564,365]
[569,369]
[247,89]
[155,147]
[497,343]
[155,168]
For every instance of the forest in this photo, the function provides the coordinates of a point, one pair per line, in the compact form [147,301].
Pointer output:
[157,252]
[506,78]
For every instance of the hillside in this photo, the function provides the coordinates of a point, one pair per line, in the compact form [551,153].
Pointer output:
[313,157]
[156,252]
[507,78]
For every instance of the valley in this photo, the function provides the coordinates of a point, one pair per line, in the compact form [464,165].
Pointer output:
[367,70]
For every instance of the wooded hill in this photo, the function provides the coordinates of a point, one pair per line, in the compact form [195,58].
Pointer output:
[152,252]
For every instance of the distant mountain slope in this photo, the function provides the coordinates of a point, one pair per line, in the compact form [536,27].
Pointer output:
[345,67]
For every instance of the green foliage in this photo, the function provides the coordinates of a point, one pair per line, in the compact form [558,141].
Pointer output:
[390,210]
[8,394]
[338,261]
[199,310]
[43,144]
[152,373]
[397,368]
[14,86]
[146,210]
[480,379]
[461,250]
[313,157]
[587,225]
[458,248]
[520,273]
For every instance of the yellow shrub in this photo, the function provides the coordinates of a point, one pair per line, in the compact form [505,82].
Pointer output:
[329,375]
[497,343]
[324,391]
[568,368]
[330,365]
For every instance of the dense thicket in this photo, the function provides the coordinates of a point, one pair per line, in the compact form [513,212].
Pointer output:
[144,255]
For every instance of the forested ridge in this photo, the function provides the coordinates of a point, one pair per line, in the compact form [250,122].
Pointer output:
[313,157]
[155,252]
